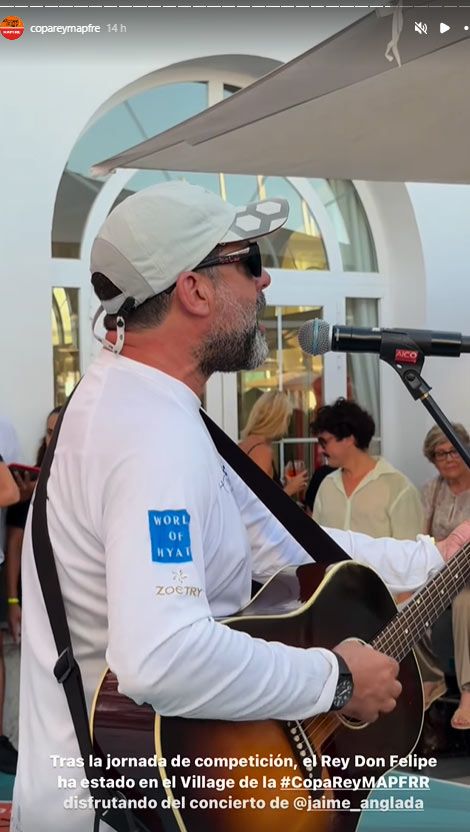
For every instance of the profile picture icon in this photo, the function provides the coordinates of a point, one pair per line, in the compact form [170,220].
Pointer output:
[11,27]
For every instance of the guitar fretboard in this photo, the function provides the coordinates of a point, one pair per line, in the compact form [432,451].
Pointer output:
[408,625]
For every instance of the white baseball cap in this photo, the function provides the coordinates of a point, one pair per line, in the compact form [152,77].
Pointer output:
[159,232]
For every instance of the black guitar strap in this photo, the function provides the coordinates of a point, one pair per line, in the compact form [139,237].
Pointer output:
[67,671]
[319,545]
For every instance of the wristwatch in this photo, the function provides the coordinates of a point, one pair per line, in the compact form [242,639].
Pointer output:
[344,686]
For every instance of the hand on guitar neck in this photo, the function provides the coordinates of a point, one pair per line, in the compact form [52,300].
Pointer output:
[376,687]
[454,542]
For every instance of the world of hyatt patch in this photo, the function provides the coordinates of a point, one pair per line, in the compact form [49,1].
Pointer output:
[169,536]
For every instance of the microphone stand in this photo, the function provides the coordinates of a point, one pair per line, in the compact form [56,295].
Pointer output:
[407,359]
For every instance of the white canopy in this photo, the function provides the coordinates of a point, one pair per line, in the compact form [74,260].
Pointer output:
[341,110]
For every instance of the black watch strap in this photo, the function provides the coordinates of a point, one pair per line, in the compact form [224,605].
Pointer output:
[344,686]
[342,665]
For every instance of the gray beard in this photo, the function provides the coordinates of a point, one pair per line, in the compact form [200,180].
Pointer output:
[227,351]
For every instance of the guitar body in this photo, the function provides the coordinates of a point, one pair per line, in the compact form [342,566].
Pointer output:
[301,607]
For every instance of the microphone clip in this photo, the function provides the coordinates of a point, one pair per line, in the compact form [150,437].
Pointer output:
[405,356]
[399,351]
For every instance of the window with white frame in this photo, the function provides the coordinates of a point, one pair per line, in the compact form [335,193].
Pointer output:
[325,250]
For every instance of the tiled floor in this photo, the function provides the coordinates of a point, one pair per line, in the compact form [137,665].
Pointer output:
[446,807]
[453,754]
[455,769]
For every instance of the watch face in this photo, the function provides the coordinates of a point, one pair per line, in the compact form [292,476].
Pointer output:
[344,690]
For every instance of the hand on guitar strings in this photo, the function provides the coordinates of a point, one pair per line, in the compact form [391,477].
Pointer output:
[376,687]
[455,541]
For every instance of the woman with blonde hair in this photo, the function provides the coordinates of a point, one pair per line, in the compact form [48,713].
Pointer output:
[269,421]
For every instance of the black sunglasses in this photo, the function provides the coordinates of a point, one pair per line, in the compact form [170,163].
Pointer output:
[251,255]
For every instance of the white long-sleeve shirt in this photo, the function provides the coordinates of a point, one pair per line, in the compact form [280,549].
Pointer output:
[155,537]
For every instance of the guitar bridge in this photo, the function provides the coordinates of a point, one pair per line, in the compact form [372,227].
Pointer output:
[301,742]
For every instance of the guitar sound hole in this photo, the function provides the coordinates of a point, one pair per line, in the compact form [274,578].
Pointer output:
[350,722]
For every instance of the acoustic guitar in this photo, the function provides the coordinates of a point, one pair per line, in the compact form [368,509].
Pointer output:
[304,607]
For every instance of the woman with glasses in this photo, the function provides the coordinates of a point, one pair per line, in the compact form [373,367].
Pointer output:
[446,502]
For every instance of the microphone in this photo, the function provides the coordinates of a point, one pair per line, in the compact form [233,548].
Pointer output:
[317,337]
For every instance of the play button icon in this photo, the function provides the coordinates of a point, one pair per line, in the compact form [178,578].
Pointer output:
[443,28]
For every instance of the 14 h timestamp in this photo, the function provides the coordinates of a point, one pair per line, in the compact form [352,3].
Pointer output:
[117,28]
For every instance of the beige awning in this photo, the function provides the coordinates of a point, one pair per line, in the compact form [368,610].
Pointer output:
[341,110]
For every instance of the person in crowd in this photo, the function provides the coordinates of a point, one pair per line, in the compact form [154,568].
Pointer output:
[9,443]
[20,488]
[446,501]
[314,484]
[9,494]
[9,491]
[15,524]
[10,452]
[366,493]
[139,498]
[321,471]
[320,467]
[267,422]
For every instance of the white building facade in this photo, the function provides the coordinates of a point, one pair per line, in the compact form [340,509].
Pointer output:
[361,253]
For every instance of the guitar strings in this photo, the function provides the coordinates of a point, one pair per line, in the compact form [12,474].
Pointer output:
[322,726]
[414,617]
